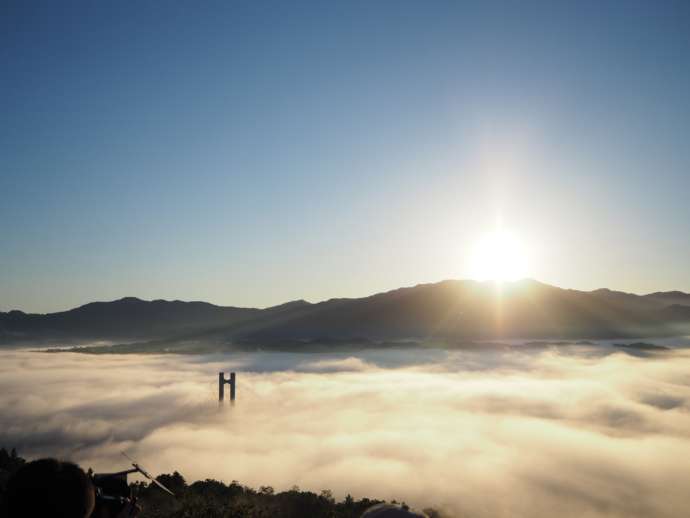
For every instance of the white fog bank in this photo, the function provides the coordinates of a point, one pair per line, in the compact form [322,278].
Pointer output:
[567,433]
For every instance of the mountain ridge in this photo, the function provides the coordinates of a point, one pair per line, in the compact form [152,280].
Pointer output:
[447,310]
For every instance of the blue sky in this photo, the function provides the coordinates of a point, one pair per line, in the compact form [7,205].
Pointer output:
[250,153]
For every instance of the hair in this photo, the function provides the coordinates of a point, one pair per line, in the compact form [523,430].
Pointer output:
[50,488]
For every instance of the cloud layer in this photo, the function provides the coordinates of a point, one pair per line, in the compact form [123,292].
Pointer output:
[556,432]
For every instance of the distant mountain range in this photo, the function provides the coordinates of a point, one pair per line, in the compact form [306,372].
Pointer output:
[444,312]
[126,319]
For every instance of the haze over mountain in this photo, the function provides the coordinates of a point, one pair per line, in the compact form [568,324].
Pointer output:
[125,319]
[446,311]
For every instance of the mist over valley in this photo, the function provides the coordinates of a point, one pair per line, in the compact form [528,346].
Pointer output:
[448,314]
[473,433]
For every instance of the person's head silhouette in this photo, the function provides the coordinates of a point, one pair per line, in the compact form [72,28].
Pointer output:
[49,488]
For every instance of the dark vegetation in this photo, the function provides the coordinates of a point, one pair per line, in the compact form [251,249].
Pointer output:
[443,313]
[213,499]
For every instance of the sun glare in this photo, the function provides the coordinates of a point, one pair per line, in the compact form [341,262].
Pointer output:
[499,256]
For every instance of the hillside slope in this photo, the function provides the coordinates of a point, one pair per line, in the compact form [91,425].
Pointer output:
[125,319]
[473,310]
[446,311]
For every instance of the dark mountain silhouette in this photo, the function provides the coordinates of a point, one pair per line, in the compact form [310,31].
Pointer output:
[465,310]
[447,312]
[129,318]
[670,297]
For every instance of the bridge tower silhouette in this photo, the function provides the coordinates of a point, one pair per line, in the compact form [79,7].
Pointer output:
[221,386]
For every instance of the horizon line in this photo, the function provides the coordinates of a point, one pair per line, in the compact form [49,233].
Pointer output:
[476,281]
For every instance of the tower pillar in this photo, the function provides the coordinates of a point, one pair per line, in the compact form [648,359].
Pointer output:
[221,386]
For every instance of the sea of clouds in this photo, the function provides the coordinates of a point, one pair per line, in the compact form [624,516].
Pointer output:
[561,431]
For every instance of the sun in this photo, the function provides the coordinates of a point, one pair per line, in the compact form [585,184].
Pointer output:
[499,256]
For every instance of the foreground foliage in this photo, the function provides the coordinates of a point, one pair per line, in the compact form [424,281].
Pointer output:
[213,499]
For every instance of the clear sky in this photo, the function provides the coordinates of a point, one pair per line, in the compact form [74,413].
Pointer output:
[250,153]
